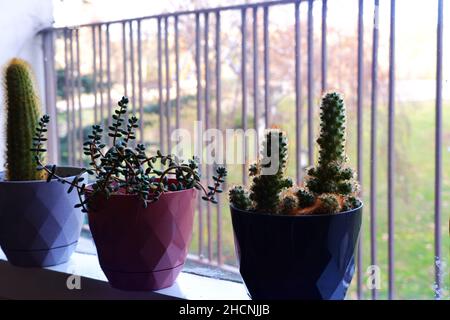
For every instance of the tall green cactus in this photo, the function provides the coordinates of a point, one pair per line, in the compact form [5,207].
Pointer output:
[331,175]
[266,188]
[23,108]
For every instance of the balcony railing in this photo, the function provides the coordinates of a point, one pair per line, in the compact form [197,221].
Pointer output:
[93,53]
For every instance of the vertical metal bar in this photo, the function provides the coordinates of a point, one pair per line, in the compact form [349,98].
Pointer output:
[100,67]
[391,155]
[360,137]
[80,107]
[244,89]
[298,95]
[133,83]
[50,96]
[74,146]
[160,91]
[94,72]
[324,45]
[177,74]
[219,127]
[207,107]
[67,94]
[199,118]
[168,102]
[438,157]
[373,146]
[255,75]
[266,66]
[310,83]
[124,50]
[108,74]
[141,99]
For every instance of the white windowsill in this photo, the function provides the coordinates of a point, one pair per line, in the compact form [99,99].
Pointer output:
[50,283]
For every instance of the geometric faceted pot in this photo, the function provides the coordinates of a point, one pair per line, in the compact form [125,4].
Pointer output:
[39,225]
[141,248]
[309,257]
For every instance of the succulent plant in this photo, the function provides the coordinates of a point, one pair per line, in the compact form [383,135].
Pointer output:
[125,169]
[265,189]
[331,176]
[288,205]
[305,198]
[329,187]
[239,197]
[23,110]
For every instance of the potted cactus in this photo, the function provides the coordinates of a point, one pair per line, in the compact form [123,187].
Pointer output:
[298,242]
[39,225]
[140,208]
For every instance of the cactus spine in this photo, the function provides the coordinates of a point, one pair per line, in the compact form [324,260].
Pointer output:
[23,108]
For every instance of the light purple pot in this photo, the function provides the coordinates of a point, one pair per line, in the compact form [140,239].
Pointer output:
[39,225]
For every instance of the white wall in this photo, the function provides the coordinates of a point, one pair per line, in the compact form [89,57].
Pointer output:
[21,21]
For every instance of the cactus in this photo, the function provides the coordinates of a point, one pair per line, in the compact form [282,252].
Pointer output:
[266,188]
[239,198]
[330,175]
[305,198]
[329,187]
[22,117]
[328,203]
[288,205]
[331,181]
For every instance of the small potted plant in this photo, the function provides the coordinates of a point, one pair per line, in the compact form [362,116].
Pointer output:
[39,225]
[140,208]
[299,242]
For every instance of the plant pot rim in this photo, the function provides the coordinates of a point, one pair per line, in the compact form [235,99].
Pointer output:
[3,181]
[130,195]
[305,216]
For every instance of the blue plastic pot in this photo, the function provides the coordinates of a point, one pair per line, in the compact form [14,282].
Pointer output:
[296,257]
[39,225]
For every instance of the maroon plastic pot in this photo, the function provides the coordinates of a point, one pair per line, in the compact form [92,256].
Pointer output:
[143,248]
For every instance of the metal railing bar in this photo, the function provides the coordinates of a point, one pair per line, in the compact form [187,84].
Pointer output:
[191,12]
[255,74]
[219,127]
[438,156]
[207,108]
[310,83]
[66,93]
[74,145]
[108,76]
[160,90]
[266,66]
[141,99]
[167,73]
[132,71]
[125,58]
[298,96]
[94,72]
[244,90]
[373,146]
[80,107]
[100,67]
[177,73]
[391,156]
[199,119]
[324,46]
[50,96]
[359,129]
